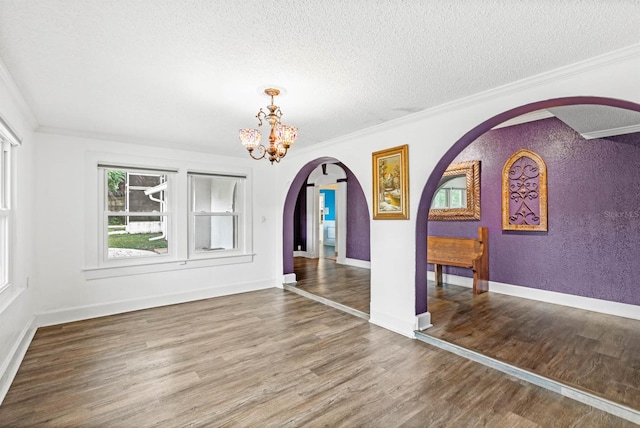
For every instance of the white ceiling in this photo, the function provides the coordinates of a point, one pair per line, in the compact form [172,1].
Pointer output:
[594,121]
[188,73]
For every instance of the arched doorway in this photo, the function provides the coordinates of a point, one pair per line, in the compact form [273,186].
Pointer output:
[450,155]
[532,334]
[334,241]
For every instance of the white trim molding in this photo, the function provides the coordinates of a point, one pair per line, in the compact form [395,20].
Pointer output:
[390,322]
[354,262]
[579,302]
[423,321]
[11,365]
[20,100]
[117,307]
[289,278]
[611,132]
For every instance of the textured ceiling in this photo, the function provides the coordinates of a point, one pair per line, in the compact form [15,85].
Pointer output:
[598,121]
[188,72]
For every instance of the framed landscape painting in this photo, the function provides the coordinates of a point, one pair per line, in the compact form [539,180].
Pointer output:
[391,184]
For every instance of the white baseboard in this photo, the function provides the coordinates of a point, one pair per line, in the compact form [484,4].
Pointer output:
[392,323]
[305,254]
[586,303]
[354,262]
[117,307]
[289,278]
[462,281]
[10,367]
[423,321]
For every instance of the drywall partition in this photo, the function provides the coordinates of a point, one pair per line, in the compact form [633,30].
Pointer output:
[398,247]
[591,247]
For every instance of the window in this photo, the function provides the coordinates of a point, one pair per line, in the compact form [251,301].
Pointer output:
[216,215]
[136,213]
[8,138]
[162,217]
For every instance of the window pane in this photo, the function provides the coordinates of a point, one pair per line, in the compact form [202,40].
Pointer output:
[215,233]
[3,250]
[135,192]
[440,199]
[137,236]
[4,176]
[214,194]
[456,199]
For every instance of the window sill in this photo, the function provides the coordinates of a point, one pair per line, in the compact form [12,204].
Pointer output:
[8,295]
[115,271]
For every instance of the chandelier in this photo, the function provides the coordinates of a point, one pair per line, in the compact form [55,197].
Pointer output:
[280,139]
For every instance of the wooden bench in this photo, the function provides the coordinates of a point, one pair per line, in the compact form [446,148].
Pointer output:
[462,252]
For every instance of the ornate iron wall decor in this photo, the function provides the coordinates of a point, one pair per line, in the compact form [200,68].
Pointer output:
[524,192]
[471,211]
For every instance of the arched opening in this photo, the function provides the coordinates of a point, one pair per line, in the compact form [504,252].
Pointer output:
[450,155]
[330,240]
[593,183]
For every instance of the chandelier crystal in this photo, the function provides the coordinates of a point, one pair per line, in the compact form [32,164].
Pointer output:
[281,136]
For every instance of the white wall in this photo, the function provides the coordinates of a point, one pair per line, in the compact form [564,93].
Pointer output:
[429,135]
[66,193]
[17,302]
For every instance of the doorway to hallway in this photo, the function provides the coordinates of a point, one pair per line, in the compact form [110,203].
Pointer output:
[327,221]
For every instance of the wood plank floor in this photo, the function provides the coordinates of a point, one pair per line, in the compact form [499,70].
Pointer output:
[594,352]
[347,285]
[597,353]
[269,358]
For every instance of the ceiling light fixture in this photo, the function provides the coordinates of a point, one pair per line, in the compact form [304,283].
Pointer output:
[281,136]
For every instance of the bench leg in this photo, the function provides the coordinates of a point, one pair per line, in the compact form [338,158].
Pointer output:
[438,271]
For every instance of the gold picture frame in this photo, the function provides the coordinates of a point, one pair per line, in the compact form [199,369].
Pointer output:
[471,172]
[391,184]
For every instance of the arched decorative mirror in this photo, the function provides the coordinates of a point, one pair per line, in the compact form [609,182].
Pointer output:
[458,194]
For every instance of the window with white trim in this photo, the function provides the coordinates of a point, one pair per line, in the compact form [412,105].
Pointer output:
[217,220]
[6,213]
[8,140]
[136,214]
[162,217]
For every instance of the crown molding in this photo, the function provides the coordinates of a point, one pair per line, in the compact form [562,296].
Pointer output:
[537,80]
[14,91]
[604,133]
[190,147]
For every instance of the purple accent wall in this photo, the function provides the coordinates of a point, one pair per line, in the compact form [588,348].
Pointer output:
[300,220]
[592,246]
[358,232]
